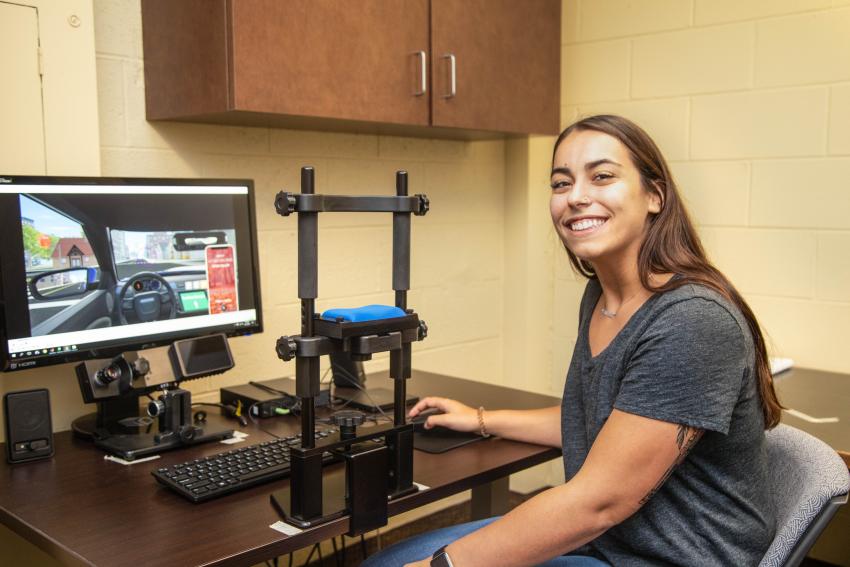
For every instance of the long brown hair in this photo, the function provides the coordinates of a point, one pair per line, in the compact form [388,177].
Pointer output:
[671,244]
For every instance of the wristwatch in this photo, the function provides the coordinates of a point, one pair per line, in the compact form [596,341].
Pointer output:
[441,558]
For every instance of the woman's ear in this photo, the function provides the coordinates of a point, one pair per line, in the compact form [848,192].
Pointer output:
[656,197]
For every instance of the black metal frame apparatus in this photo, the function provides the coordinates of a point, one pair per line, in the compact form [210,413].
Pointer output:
[379,461]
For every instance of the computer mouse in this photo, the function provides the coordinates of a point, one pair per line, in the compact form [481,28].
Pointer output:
[420,419]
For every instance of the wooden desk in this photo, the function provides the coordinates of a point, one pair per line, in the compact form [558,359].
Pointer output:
[818,394]
[84,510]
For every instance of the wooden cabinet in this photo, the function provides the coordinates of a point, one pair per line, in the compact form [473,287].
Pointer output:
[460,68]
[506,55]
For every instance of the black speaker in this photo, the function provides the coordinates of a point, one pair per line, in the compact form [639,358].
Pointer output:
[29,431]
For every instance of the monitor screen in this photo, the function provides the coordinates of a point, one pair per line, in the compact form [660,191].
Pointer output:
[94,266]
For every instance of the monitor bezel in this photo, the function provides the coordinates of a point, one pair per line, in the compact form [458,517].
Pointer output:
[131,344]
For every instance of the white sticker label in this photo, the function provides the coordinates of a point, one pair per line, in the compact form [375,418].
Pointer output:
[238,436]
[285,528]
[121,461]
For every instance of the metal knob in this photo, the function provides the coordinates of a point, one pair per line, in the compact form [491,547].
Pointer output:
[141,367]
[424,205]
[284,203]
[286,348]
[347,421]
[423,330]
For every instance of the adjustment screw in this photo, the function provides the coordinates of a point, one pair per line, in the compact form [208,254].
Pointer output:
[286,348]
[424,205]
[141,367]
[284,203]
[423,330]
[347,421]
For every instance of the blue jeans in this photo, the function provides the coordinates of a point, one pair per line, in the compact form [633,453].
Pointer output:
[422,546]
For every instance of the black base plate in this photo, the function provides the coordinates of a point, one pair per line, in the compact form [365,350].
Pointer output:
[137,438]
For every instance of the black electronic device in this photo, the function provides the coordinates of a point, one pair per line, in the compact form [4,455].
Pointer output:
[230,471]
[29,430]
[263,399]
[201,356]
[119,426]
[441,439]
[93,267]
[346,372]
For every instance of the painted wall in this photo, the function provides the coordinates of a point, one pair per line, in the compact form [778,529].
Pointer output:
[750,102]
[457,255]
[456,272]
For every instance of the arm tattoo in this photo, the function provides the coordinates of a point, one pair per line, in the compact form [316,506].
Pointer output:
[686,438]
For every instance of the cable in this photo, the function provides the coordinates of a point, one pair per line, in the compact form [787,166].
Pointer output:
[336,552]
[229,411]
[356,383]
[310,556]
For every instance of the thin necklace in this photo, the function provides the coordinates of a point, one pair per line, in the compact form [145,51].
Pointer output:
[612,314]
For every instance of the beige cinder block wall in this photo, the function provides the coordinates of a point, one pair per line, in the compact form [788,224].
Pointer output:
[750,102]
[456,267]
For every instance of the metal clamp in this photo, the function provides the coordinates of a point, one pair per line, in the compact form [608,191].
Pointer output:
[452,75]
[423,74]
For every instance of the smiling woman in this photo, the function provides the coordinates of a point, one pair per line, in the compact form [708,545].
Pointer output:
[667,397]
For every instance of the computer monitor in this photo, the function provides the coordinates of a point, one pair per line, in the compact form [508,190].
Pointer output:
[92,267]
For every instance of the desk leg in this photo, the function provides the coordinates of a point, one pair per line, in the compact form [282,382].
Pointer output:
[490,499]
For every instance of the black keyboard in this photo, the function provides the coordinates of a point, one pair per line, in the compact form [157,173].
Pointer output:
[231,471]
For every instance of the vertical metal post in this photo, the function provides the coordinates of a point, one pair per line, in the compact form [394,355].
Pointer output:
[401,283]
[401,245]
[307,368]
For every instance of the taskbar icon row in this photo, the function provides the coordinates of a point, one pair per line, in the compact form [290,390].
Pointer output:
[44,351]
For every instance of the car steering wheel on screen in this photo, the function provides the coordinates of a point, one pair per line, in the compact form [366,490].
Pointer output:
[147,305]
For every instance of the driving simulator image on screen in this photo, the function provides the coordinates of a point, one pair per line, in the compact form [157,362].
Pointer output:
[159,274]
[123,264]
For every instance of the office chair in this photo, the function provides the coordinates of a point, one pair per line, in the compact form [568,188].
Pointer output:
[808,483]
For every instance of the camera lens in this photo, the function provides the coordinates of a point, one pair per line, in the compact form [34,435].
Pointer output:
[156,407]
[107,375]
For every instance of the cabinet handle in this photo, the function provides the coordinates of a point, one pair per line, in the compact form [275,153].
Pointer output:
[423,74]
[453,75]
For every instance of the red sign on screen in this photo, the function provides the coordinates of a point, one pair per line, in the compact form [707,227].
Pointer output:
[221,278]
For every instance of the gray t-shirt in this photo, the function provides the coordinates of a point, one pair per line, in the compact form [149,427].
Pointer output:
[686,357]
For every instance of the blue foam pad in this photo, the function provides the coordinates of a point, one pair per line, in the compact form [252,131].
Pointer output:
[365,313]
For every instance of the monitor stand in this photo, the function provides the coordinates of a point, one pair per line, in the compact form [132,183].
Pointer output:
[119,428]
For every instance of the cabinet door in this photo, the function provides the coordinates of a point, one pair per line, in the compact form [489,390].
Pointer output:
[22,135]
[331,58]
[506,58]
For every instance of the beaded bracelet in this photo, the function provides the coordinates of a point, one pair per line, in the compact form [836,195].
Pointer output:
[481,429]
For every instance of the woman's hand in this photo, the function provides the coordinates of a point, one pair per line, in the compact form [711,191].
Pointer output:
[455,415]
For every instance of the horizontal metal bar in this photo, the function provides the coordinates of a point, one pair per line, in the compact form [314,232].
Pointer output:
[372,344]
[360,204]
